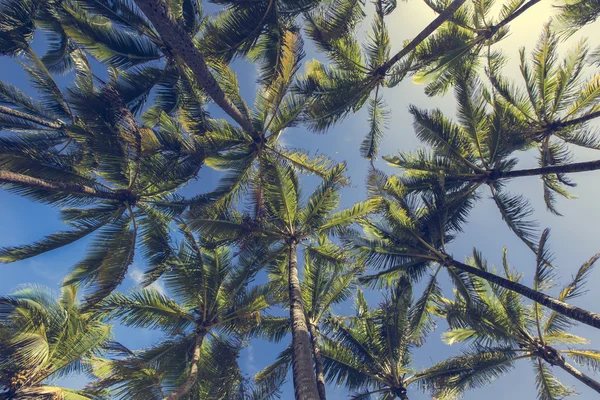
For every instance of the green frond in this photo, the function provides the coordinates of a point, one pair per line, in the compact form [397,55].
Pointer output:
[334,20]
[282,193]
[276,372]
[544,274]
[557,321]
[549,387]
[377,121]
[421,322]
[559,337]
[109,42]
[324,199]
[450,378]
[147,308]
[443,135]
[336,222]
[587,358]
[319,165]
[515,210]
[93,220]
[16,25]
[575,14]
[107,260]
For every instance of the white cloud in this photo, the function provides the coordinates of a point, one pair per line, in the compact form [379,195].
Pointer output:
[137,275]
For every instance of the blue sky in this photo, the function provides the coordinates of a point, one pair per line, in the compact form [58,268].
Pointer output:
[573,236]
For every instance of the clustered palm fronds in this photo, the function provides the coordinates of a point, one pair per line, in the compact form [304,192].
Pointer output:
[153,97]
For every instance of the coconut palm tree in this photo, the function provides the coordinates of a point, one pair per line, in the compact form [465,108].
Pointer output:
[576,14]
[327,281]
[502,329]
[356,72]
[44,338]
[147,374]
[211,296]
[451,42]
[554,106]
[287,224]
[459,43]
[112,178]
[246,156]
[371,352]
[480,148]
[413,233]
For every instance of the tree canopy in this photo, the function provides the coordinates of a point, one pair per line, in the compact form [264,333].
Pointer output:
[187,147]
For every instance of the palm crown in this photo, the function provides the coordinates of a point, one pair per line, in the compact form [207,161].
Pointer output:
[44,338]
[211,297]
[502,329]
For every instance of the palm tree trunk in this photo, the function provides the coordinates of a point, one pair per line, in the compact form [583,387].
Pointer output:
[305,384]
[429,29]
[514,15]
[318,362]
[580,120]
[29,117]
[552,169]
[180,43]
[583,378]
[576,313]
[193,375]
[7,177]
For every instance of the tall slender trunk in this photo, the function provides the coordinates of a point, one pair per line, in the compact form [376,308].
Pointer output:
[551,169]
[320,371]
[7,177]
[181,44]
[429,29]
[305,384]
[583,378]
[193,375]
[576,313]
[29,117]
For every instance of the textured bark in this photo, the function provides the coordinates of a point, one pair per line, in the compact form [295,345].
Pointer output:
[305,384]
[320,370]
[580,120]
[583,378]
[181,44]
[552,169]
[576,313]
[429,29]
[193,376]
[7,177]
[29,117]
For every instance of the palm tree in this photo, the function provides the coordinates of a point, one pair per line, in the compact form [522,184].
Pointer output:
[118,176]
[413,234]
[451,42]
[43,338]
[458,44]
[576,14]
[326,282]
[288,224]
[555,107]
[147,374]
[356,72]
[480,148]
[246,156]
[371,352]
[210,296]
[502,330]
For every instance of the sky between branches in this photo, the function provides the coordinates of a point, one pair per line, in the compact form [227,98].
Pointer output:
[574,236]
